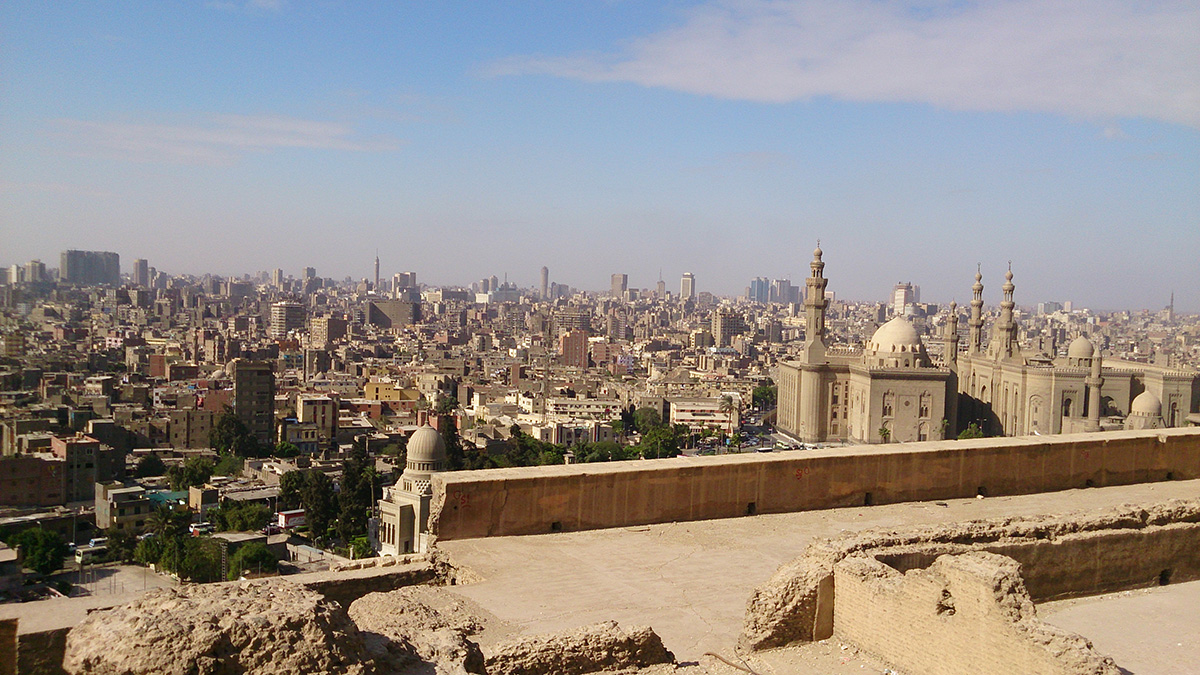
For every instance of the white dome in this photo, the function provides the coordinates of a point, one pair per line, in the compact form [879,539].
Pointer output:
[1081,348]
[1146,403]
[897,335]
[426,445]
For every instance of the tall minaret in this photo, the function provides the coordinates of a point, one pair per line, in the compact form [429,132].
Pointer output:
[976,322]
[1094,382]
[376,271]
[1008,325]
[815,305]
[950,337]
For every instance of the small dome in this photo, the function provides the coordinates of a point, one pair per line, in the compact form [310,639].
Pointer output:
[1146,403]
[1081,348]
[426,445]
[897,335]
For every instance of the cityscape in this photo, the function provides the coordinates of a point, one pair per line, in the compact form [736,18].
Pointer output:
[696,338]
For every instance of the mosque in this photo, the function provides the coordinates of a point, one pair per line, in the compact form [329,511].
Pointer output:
[890,390]
[403,525]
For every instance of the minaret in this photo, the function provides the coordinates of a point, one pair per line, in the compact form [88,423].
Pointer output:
[976,322]
[1004,335]
[1094,382]
[815,303]
[950,337]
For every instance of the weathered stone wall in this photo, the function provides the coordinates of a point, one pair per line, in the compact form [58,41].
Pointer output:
[42,653]
[592,496]
[1060,556]
[959,613]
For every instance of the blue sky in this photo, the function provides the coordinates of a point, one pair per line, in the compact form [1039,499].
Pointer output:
[465,139]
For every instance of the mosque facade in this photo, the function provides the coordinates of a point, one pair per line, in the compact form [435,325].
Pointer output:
[403,525]
[890,390]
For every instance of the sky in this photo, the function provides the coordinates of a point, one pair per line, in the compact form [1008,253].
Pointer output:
[914,139]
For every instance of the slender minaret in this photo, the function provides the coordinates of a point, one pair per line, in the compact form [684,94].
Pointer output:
[1094,382]
[815,302]
[976,322]
[813,421]
[1004,335]
[950,337]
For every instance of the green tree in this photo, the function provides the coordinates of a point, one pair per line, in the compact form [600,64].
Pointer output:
[252,557]
[445,405]
[360,547]
[659,442]
[166,522]
[646,418]
[44,550]
[727,407]
[764,396]
[291,486]
[235,517]
[121,545]
[230,434]
[319,502]
[972,431]
[229,465]
[199,559]
[150,465]
[456,457]
[885,434]
[286,450]
[356,496]
[149,550]
[194,471]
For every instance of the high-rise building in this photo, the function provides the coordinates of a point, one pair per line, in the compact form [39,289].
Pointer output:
[620,282]
[545,283]
[573,347]
[35,271]
[90,268]
[254,397]
[726,324]
[141,273]
[376,286]
[902,296]
[327,329]
[687,286]
[760,290]
[277,278]
[310,273]
[393,313]
[286,316]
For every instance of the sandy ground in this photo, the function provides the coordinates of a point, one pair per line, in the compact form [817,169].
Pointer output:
[1151,631]
[690,581]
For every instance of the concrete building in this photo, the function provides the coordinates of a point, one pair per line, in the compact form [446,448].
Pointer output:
[393,313]
[286,316]
[760,290]
[620,282]
[141,273]
[687,286]
[321,411]
[545,290]
[325,330]
[90,268]
[404,510]
[121,508]
[254,397]
[87,462]
[573,348]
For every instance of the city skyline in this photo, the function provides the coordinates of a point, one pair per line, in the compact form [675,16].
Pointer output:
[463,141]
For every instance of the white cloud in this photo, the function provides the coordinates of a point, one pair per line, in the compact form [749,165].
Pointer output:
[213,139]
[1104,58]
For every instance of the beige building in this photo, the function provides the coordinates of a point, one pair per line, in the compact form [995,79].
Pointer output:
[888,391]
[1011,393]
[404,510]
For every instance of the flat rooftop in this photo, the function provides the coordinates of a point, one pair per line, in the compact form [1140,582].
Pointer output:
[690,581]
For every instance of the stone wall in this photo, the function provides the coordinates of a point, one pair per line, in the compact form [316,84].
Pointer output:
[536,500]
[1060,556]
[960,612]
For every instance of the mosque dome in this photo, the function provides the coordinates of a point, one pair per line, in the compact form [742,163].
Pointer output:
[1081,348]
[426,446]
[897,335]
[1146,403]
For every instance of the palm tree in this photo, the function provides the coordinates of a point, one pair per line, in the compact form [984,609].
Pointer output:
[727,407]
[167,522]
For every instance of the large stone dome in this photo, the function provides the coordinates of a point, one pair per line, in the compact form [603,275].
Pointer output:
[426,445]
[897,335]
[1081,348]
[1146,403]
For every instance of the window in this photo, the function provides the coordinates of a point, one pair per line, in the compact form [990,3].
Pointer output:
[925,404]
[889,402]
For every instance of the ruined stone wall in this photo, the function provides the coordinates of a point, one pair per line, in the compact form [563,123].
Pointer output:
[960,612]
[1060,556]
[536,500]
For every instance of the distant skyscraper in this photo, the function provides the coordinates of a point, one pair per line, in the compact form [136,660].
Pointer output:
[376,273]
[545,283]
[310,273]
[141,273]
[285,316]
[902,295]
[687,286]
[89,268]
[760,290]
[620,282]
[277,278]
[35,271]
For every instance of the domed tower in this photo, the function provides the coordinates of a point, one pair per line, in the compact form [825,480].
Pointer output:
[1079,353]
[404,509]
[1145,412]
[896,344]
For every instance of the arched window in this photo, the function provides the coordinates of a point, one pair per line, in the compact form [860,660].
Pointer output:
[1066,407]
[889,402]
[923,431]
[926,401]
[1173,420]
